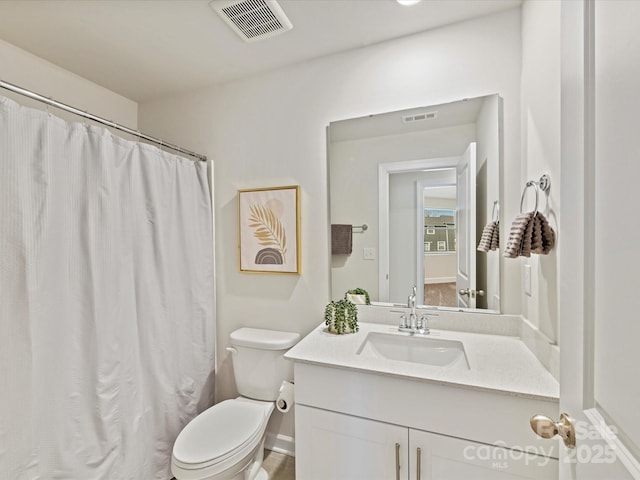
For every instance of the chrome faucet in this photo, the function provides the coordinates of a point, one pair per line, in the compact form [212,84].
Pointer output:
[411,305]
[413,324]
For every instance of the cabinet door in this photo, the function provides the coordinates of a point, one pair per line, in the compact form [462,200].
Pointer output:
[334,446]
[446,458]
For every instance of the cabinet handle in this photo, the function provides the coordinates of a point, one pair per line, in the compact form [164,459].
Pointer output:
[397,461]
[418,474]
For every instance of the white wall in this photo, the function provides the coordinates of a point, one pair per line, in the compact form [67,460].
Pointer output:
[541,149]
[488,190]
[440,268]
[270,130]
[28,71]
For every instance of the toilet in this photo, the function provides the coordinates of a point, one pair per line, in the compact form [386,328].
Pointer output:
[226,441]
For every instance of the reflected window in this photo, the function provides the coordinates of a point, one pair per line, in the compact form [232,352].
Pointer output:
[439,230]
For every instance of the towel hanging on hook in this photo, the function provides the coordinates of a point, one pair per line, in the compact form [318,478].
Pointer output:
[341,239]
[490,239]
[530,231]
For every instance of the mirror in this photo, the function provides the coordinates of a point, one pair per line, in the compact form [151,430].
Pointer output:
[425,181]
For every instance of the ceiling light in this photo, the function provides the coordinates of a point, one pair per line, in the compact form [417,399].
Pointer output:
[407,3]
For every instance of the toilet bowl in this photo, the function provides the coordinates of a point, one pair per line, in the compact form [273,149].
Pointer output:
[223,442]
[226,441]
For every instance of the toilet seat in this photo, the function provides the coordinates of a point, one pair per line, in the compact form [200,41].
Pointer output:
[201,445]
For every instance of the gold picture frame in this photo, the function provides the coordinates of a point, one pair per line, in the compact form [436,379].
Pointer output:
[269,230]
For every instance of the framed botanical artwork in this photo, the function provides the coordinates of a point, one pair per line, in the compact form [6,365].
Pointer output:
[269,230]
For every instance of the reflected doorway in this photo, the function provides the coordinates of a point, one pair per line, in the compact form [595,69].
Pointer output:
[439,245]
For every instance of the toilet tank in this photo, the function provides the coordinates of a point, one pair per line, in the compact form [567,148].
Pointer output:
[259,366]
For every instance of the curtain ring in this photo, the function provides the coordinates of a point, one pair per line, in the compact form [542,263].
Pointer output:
[533,184]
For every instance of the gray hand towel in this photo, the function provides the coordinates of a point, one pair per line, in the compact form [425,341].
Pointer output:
[543,236]
[517,241]
[530,233]
[527,238]
[341,239]
[495,238]
[490,239]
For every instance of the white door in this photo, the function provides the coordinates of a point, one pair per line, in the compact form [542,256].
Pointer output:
[466,228]
[599,247]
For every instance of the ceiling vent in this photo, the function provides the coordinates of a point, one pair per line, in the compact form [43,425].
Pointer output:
[253,20]
[419,117]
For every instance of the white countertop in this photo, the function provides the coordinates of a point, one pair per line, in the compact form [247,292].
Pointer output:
[497,363]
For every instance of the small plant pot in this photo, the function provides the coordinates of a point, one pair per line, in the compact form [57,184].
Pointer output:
[347,329]
[359,296]
[341,316]
[357,299]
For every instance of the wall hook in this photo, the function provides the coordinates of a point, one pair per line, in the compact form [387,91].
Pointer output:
[545,183]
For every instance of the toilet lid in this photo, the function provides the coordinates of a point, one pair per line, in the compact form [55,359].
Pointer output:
[218,431]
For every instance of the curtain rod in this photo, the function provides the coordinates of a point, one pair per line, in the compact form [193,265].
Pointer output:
[95,118]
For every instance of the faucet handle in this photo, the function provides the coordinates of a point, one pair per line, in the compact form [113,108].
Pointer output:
[403,318]
[423,324]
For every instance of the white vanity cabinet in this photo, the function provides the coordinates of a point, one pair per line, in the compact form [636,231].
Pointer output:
[353,425]
[439,457]
[336,446]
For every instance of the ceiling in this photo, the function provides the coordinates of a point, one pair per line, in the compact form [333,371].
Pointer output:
[148,48]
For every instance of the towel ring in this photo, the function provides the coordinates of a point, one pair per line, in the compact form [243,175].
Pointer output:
[543,184]
[533,184]
[495,212]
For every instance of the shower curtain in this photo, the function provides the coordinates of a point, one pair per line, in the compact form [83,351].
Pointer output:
[106,300]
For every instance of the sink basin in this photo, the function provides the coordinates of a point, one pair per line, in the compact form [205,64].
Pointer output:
[424,350]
